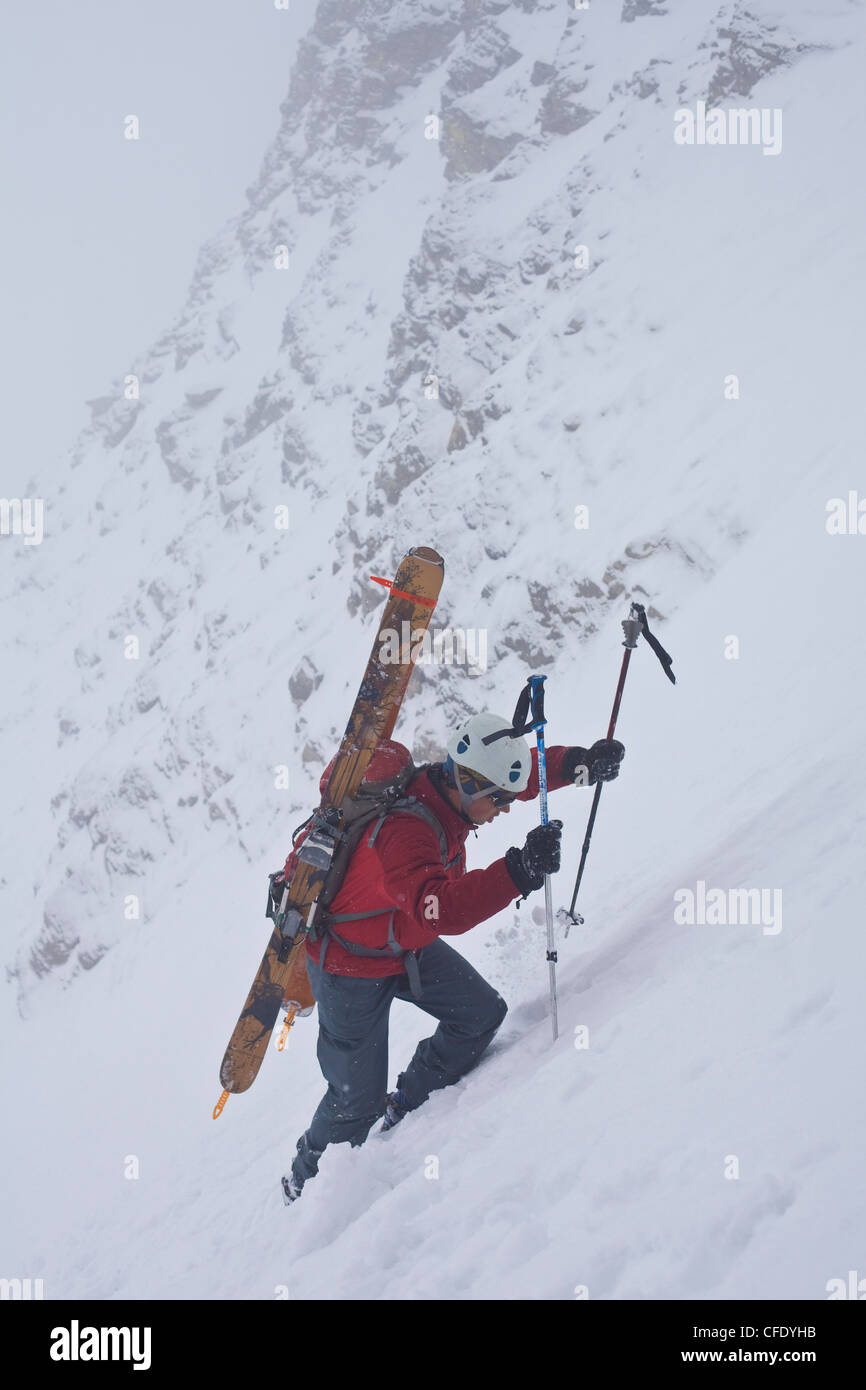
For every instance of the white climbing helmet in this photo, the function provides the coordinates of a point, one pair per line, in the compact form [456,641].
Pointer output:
[506,762]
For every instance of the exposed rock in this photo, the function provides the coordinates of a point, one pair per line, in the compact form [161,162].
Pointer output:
[469,148]
[198,399]
[457,439]
[542,73]
[639,9]
[746,54]
[304,680]
[488,52]
[560,112]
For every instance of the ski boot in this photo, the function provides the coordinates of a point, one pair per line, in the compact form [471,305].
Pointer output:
[395,1109]
[292,1189]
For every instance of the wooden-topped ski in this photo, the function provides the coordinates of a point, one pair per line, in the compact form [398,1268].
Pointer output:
[412,598]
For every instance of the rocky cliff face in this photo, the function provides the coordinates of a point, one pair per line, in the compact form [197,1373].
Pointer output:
[464,297]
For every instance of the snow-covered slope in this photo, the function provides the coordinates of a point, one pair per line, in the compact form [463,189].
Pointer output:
[449,263]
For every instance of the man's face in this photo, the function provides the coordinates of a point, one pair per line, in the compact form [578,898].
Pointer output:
[485,810]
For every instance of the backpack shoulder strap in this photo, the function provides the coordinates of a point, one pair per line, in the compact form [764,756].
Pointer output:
[411,806]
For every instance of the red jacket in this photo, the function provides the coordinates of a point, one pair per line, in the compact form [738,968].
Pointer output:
[403,870]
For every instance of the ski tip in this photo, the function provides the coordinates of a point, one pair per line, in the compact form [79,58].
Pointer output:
[426,552]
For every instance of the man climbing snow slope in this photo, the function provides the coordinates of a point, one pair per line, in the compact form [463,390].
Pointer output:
[406,888]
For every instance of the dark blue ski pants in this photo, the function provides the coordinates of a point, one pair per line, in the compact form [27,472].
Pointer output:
[353,1044]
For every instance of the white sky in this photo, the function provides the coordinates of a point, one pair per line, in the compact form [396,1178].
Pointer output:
[98,234]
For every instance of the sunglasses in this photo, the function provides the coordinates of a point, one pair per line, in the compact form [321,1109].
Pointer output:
[501,798]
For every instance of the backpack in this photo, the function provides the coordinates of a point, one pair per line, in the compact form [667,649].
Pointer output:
[381,793]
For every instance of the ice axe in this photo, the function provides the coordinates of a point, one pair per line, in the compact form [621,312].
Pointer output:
[633,626]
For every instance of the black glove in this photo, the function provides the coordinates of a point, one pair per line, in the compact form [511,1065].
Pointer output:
[601,762]
[539,856]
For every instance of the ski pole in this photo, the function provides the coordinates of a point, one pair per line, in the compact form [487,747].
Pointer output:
[536,688]
[531,703]
[633,626]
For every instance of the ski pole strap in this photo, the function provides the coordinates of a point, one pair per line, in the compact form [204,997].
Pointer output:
[529,701]
[666,660]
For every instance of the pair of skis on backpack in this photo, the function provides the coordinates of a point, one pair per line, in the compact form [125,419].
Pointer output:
[319,859]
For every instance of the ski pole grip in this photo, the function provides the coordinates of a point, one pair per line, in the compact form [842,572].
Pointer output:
[631,628]
[530,703]
[536,689]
